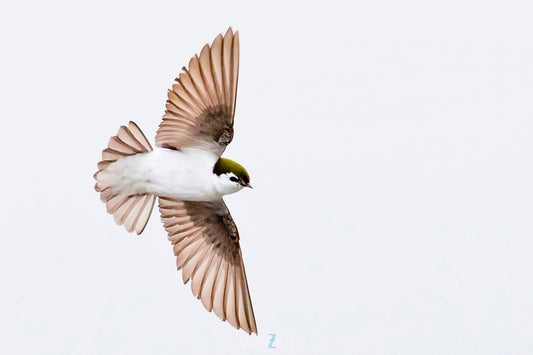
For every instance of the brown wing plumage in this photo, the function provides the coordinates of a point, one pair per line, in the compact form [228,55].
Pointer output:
[206,244]
[201,105]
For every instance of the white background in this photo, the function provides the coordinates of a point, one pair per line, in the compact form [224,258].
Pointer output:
[389,144]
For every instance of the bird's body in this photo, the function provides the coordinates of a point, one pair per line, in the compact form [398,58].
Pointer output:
[187,175]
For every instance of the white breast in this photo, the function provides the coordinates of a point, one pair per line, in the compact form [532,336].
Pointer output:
[187,175]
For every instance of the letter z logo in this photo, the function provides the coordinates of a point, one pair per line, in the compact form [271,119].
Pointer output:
[272,341]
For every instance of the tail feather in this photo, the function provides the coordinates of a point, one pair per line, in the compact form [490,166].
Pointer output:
[112,155]
[131,211]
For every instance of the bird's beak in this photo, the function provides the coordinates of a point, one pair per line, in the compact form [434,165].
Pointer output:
[248,185]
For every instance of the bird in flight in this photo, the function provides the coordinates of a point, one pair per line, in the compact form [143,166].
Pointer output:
[186,172]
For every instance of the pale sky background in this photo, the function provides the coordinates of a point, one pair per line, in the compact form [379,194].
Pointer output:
[389,144]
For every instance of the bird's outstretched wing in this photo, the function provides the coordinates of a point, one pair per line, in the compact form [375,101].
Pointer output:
[206,244]
[201,105]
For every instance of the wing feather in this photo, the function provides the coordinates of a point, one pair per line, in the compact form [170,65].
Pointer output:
[206,244]
[229,297]
[207,77]
[217,294]
[199,269]
[201,104]
[196,78]
[216,69]
[209,281]
[192,261]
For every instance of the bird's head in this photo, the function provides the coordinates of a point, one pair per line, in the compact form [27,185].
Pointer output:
[231,176]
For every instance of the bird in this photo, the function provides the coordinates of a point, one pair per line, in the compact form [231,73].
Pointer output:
[186,173]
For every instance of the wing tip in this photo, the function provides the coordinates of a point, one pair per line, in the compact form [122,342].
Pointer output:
[230,32]
[207,86]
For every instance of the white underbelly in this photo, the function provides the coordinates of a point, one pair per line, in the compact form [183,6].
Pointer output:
[168,173]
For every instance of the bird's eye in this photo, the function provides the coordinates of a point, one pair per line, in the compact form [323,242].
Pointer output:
[233,178]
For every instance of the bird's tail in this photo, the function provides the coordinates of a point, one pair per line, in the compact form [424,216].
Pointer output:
[132,211]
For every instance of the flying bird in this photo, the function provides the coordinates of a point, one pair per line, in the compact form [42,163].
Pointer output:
[186,173]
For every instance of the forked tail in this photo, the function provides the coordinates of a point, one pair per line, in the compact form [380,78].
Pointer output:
[131,211]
